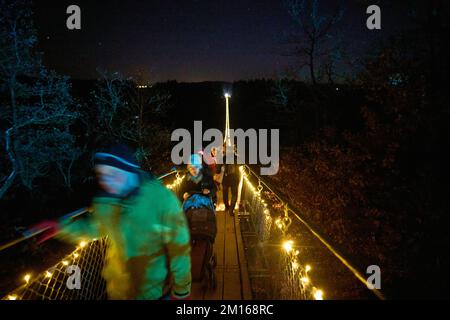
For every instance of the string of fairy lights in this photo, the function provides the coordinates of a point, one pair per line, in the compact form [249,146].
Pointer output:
[297,272]
[178,180]
[72,257]
[48,274]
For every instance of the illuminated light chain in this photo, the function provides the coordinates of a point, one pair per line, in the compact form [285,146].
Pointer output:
[293,273]
[297,275]
[27,278]
[48,274]
[318,294]
[176,183]
[287,245]
[283,223]
[258,190]
[264,220]
[267,224]
[267,215]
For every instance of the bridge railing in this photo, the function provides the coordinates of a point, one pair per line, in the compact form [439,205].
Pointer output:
[287,257]
[58,282]
[281,246]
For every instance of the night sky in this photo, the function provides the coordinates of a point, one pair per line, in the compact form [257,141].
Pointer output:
[184,40]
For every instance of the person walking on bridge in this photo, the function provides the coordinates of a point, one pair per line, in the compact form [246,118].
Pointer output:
[148,256]
[230,181]
[199,179]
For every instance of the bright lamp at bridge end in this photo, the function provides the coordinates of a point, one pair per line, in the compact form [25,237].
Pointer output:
[287,245]
[27,278]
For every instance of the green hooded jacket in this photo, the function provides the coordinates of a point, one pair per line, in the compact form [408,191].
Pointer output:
[149,242]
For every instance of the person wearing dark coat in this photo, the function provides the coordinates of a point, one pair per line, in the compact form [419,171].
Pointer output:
[230,182]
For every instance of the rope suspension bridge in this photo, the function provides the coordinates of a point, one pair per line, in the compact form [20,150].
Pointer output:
[266,251]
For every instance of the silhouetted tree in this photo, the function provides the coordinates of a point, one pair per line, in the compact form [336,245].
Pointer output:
[128,112]
[312,35]
[377,187]
[36,114]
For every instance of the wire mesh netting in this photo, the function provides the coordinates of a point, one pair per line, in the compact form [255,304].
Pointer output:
[275,266]
[285,260]
[59,281]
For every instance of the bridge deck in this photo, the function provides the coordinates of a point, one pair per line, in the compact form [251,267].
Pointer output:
[231,271]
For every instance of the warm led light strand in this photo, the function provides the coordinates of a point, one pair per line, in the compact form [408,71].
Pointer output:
[297,273]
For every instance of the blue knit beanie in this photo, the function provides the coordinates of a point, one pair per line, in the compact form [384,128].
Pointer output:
[118,156]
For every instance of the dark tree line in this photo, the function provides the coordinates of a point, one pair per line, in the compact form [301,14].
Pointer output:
[373,175]
[364,159]
[45,130]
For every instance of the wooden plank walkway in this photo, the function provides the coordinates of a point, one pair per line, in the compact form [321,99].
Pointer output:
[231,272]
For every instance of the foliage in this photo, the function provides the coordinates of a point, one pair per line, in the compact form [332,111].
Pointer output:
[314,38]
[127,113]
[375,184]
[37,108]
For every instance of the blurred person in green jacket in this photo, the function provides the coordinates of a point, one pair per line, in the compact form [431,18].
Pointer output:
[148,256]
